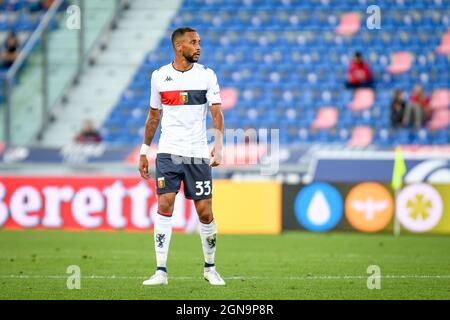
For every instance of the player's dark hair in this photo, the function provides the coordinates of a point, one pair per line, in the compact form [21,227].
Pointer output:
[180,32]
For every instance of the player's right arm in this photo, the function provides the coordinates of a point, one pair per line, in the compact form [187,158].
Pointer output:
[151,125]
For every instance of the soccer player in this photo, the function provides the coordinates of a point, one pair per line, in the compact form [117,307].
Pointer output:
[181,93]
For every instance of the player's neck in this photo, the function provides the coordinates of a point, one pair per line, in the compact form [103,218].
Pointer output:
[181,64]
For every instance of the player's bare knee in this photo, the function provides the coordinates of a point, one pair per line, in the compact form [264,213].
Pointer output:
[204,214]
[204,211]
[165,206]
[205,217]
[166,203]
[203,205]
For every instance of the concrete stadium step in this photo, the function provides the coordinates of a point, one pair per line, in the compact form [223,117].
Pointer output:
[139,30]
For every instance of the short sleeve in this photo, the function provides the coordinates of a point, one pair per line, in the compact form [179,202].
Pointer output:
[213,92]
[155,96]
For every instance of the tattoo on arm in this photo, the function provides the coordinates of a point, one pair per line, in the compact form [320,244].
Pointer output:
[151,125]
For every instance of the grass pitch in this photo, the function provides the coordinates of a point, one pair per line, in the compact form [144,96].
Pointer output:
[296,265]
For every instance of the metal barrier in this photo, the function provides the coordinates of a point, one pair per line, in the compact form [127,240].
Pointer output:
[58,57]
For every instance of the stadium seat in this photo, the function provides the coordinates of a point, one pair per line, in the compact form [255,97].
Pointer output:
[363,99]
[349,24]
[361,137]
[444,47]
[421,137]
[326,118]
[229,97]
[401,62]
[383,137]
[403,136]
[440,99]
[440,119]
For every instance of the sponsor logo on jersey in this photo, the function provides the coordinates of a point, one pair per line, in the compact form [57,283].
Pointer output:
[169,78]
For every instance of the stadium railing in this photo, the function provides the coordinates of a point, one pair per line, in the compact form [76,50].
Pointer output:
[51,61]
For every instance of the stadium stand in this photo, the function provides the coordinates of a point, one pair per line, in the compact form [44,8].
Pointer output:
[282,63]
[276,69]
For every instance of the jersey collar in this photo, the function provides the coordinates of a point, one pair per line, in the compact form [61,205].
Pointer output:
[182,71]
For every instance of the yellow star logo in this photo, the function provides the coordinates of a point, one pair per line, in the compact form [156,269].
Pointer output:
[419,207]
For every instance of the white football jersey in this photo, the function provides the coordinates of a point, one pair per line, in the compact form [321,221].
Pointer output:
[184,97]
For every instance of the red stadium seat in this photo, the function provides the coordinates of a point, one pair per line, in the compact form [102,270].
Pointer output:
[349,24]
[401,62]
[326,118]
[440,119]
[229,97]
[440,99]
[362,100]
[361,137]
[444,48]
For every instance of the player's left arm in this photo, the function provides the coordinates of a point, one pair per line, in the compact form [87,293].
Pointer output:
[215,106]
[218,125]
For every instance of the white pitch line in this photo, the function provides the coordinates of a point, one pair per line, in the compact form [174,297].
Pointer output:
[336,277]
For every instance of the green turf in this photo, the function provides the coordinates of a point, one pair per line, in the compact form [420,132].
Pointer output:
[291,266]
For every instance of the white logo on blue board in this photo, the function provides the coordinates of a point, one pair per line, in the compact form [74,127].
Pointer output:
[318,207]
[432,171]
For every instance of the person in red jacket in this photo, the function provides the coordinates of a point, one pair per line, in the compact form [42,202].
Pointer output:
[358,74]
[88,134]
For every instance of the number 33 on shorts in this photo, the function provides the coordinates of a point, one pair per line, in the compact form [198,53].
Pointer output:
[203,188]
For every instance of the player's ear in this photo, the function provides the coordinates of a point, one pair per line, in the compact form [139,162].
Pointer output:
[178,44]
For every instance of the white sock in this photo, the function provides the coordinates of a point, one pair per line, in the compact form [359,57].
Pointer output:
[208,236]
[162,235]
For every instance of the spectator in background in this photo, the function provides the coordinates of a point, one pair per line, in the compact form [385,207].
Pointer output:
[419,105]
[398,106]
[10,50]
[34,5]
[88,134]
[358,74]
[46,4]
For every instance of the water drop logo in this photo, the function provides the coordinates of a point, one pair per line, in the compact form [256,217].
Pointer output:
[318,207]
[318,211]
